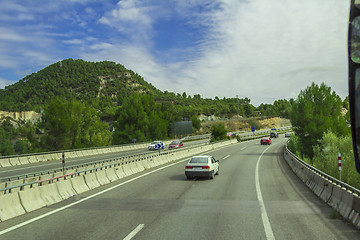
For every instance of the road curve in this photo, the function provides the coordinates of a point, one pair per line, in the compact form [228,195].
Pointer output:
[255,196]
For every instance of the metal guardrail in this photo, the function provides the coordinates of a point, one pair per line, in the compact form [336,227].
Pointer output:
[36,174]
[120,160]
[326,176]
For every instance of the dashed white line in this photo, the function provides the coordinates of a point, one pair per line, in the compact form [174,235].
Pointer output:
[268,231]
[134,232]
[226,157]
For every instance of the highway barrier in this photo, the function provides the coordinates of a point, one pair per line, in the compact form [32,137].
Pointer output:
[10,206]
[340,196]
[31,199]
[79,185]
[34,192]
[8,161]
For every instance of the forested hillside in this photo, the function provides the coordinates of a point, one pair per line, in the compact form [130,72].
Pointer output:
[97,84]
[105,85]
[87,104]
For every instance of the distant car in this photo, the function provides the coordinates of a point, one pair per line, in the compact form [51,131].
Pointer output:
[287,134]
[156,145]
[265,141]
[274,135]
[176,144]
[231,134]
[202,166]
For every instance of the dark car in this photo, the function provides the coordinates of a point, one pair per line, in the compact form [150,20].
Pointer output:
[274,135]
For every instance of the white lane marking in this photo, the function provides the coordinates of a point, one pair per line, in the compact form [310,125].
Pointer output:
[243,148]
[134,232]
[268,231]
[82,200]
[226,157]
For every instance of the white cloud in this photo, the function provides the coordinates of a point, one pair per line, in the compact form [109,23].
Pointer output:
[261,49]
[5,82]
[74,41]
[132,19]
[266,52]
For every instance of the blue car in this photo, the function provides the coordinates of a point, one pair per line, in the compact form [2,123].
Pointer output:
[156,145]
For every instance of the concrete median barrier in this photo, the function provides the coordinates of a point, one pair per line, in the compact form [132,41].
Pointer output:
[139,165]
[151,162]
[32,159]
[33,180]
[46,179]
[66,189]
[327,192]
[50,194]
[335,198]
[319,186]
[14,183]
[24,160]
[346,204]
[110,174]
[79,184]
[354,216]
[133,166]
[91,180]
[127,168]
[2,185]
[5,162]
[14,161]
[145,163]
[101,177]
[119,171]
[10,206]
[31,199]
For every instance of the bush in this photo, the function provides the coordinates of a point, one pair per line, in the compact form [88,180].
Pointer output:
[218,132]
[326,158]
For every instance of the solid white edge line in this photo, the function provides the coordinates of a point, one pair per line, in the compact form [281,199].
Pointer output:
[134,232]
[267,226]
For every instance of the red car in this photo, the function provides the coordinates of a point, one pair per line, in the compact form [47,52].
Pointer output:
[265,141]
[176,144]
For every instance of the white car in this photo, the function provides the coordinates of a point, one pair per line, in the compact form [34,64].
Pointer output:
[156,145]
[287,134]
[202,166]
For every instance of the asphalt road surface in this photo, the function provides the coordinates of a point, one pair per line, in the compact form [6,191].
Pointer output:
[51,165]
[255,196]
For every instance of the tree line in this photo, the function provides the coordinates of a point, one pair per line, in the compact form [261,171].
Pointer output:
[321,122]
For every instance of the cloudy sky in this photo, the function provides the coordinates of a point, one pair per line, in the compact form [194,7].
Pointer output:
[260,49]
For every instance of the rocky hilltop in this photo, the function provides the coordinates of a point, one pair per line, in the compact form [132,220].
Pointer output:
[20,117]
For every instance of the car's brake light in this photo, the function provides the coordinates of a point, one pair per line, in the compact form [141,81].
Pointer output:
[188,167]
[206,167]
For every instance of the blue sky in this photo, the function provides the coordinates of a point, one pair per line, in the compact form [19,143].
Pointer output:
[260,49]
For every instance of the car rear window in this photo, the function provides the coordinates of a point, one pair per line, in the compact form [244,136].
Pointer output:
[199,160]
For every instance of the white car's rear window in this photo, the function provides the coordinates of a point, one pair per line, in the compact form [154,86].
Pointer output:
[199,160]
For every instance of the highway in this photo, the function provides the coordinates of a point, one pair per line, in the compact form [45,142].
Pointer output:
[255,196]
[51,165]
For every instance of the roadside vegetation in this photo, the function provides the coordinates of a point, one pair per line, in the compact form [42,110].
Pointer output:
[86,104]
[321,124]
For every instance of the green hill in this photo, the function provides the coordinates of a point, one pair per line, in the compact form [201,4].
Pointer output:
[98,84]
